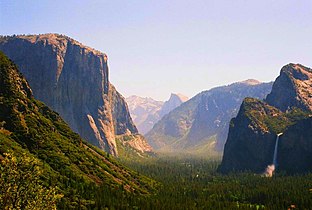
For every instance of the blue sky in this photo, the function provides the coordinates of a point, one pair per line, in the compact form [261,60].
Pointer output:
[159,47]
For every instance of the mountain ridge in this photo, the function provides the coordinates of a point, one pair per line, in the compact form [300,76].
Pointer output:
[203,118]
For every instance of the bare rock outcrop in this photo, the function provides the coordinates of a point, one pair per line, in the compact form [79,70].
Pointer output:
[293,88]
[73,80]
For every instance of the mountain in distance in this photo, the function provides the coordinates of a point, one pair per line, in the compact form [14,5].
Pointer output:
[175,100]
[281,123]
[145,112]
[29,127]
[200,125]
[72,79]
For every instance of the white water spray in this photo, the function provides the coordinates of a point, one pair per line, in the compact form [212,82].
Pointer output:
[271,168]
[275,150]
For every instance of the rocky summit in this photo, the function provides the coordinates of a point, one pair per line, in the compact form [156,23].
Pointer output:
[292,88]
[72,79]
[175,100]
[286,113]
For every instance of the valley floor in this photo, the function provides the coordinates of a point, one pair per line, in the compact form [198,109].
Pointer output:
[187,183]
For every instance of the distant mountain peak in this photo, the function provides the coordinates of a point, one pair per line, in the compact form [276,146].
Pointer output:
[146,111]
[175,100]
[250,82]
[201,123]
[180,96]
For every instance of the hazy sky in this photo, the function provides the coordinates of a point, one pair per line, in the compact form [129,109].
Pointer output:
[187,46]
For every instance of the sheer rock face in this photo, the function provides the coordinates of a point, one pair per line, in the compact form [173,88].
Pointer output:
[250,142]
[73,80]
[29,127]
[293,88]
[295,148]
[287,109]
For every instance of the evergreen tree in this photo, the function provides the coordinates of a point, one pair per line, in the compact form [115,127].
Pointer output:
[21,187]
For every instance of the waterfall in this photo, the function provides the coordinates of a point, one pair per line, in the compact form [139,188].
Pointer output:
[271,168]
[275,150]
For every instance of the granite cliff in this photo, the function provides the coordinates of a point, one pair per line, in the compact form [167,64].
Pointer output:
[292,88]
[200,125]
[72,79]
[287,111]
[28,128]
[295,149]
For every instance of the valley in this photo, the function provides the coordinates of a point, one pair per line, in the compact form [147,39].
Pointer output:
[194,183]
[246,145]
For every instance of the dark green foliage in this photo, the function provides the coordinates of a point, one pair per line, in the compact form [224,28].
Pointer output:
[195,184]
[128,153]
[21,187]
[269,117]
[280,124]
[90,179]
[77,168]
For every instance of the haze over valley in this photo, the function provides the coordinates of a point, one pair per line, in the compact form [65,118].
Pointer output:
[145,105]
